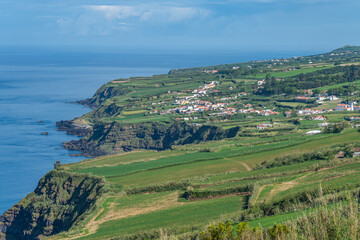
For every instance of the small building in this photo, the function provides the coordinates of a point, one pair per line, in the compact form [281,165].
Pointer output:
[318,118]
[302,99]
[333,98]
[342,107]
[323,124]
[308,91]
[313,132]
[261,82]
[356,152]
[320,98]
[263,126]
[288,113]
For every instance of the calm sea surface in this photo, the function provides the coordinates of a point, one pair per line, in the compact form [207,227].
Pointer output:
[36,84]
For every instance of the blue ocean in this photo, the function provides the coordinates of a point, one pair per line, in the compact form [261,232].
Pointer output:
[37,84]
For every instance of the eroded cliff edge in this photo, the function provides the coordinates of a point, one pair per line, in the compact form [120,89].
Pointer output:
[110,138]
[61,201]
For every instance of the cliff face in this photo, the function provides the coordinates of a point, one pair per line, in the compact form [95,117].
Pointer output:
[108,138]
[60,201]
[111,110]
[73,128]
[102,94]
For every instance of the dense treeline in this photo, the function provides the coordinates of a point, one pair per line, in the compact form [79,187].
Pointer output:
[159,188]
[320,78]
[323,154]
[193,194]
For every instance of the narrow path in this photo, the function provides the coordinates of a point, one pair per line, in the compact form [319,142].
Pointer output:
[93,225]
[246,166]
[284,186]
[258,194]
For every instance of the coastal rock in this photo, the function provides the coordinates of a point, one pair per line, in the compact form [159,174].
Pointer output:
[87,148]
[73,128]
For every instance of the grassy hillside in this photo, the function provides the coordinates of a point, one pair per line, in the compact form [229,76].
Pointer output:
[264,181]
[254,147]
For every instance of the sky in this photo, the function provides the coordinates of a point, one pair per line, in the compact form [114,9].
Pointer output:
[182,24]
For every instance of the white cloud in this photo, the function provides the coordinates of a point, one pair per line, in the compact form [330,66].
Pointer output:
[114,12]
[154,13]
[107,19]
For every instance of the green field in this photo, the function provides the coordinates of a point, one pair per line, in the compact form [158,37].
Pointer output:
[294,72]
[221,171]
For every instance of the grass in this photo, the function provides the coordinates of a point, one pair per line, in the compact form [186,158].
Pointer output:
[293,73]
[191,168]
[123,158]
[189,214]
[263,194]
[218,169]
[325,88]
[270,221]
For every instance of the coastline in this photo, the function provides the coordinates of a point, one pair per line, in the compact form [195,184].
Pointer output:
[72,128]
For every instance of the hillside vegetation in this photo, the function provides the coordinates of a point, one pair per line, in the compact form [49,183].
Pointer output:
[61,201]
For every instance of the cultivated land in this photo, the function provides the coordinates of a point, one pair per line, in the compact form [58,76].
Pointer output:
[178,152]
[150,194]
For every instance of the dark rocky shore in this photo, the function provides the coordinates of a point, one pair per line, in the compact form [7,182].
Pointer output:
[73,128]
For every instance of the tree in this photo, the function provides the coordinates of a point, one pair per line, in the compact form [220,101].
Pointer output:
[221,231]
[316,91]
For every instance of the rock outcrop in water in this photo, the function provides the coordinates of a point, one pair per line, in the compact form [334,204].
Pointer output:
[60,201]
[73,128]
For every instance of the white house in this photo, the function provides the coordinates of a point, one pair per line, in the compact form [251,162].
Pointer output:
[333,98]
[313,132]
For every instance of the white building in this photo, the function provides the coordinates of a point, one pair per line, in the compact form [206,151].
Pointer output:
[313,132]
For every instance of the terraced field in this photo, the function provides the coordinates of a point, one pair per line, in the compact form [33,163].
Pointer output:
[179,191]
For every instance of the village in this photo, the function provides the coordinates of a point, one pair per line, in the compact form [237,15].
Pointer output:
[194,104]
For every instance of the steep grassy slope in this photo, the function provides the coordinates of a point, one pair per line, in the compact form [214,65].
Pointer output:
[60,201]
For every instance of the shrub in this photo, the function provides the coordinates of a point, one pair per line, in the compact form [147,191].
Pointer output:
[193,195]
[221,231]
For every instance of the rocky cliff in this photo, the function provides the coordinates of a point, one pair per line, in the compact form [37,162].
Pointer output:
[109,138]
[60,201]
[103,93]
[73,128]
